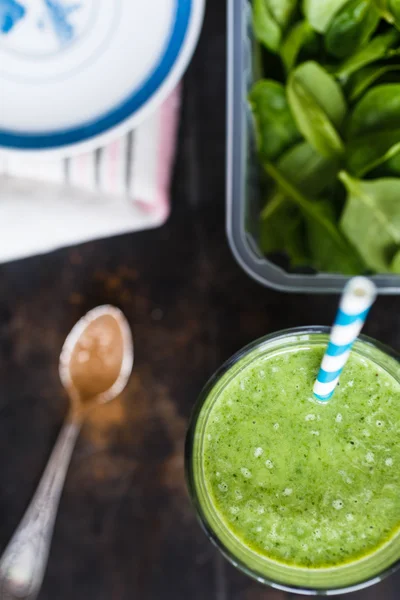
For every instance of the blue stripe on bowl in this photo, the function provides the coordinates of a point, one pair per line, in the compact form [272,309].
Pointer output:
[65,137]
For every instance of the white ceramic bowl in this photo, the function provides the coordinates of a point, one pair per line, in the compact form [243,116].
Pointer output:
[76,73]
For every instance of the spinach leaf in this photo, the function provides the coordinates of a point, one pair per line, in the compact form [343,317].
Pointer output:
[307,169]
[318,106]
[377,49]
[394,8]
[395,266]
[275,128]
[390,10]
[378,110]
[392,165]
[351,27]
[367,152]
[374,129]
[266,30]
[300,35]
[323,248]
[382,6]
[320,12]
[282,10]
[270,19]
[331,251]
[371,219]
[366,77]
[282,229]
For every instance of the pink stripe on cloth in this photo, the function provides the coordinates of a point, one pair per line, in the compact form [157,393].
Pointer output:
[82,171]
[153,152]
[114,149]
[112,167]
[169,120]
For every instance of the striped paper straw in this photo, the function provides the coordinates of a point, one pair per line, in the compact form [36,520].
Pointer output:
[358,297]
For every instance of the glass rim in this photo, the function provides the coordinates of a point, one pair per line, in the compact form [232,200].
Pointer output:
[189,475]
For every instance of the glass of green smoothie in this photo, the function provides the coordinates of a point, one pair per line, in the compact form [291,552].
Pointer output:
[298,494]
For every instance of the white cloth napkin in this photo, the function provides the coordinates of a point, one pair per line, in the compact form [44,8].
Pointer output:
[124,186]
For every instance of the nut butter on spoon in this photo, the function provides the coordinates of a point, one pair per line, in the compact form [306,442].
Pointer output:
[95,364]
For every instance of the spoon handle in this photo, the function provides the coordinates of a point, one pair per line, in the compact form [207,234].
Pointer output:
[23,563]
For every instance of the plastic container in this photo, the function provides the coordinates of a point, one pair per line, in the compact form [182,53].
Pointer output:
[243,182]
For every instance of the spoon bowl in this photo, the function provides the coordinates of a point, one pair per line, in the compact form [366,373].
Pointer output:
[73,339]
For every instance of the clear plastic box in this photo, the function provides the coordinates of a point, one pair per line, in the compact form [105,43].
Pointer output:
[243,174]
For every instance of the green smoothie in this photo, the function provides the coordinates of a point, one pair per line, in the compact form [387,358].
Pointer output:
[301,483]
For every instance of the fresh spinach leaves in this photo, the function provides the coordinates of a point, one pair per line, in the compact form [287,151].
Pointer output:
[377,49]
[365,78]
[275,127]
[266,29]
[390,10]
[374,129]
[282,226]
[329,248]
[379,109]
[371,220]
[351,27]
[328,130]
[319,13]
[299,36]
[282,10]
[270,20]
[305,168]
[318,106]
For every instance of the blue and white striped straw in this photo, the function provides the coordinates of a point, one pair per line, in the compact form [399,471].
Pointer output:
[358,297]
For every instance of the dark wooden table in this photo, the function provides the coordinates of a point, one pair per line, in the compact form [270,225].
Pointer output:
[125,528]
